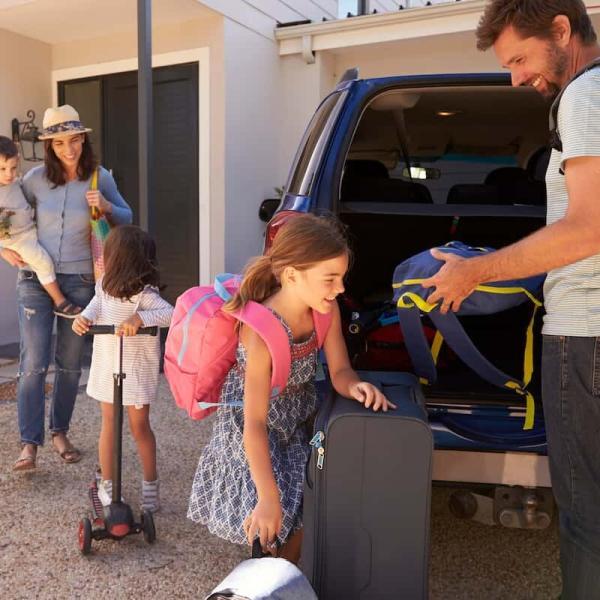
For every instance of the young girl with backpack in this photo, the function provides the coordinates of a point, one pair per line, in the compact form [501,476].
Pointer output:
[127,296]
[249,481]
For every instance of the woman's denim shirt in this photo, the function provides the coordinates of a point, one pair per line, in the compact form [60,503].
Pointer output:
[63,217]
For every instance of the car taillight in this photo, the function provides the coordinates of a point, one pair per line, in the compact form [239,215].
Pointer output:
[275,224]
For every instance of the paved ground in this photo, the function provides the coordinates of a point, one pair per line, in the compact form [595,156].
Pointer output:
[39,513]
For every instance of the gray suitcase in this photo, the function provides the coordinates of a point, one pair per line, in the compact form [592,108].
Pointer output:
[367,496]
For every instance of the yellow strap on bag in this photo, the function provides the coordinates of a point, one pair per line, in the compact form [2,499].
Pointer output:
[93,187]
[411,300]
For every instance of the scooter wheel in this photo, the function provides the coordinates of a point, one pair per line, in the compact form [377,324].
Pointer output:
[85,536]
[148,527]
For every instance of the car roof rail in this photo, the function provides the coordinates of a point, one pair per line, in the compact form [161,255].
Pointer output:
[349,75]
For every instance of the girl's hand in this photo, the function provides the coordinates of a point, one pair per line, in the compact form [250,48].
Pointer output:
[130,326]
[81,325]
[370,396]
[95,198]
[12,258]
[264,521]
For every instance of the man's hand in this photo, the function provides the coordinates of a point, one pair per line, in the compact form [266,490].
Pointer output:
[130,326]
[455,281]
[12,258]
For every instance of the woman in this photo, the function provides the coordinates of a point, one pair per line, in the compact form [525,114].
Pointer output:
[59,191]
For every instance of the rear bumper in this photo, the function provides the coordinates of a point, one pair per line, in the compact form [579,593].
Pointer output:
[497,468]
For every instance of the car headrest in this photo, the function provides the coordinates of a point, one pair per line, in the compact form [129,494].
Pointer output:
[372,169]
[473,193]
[507,176]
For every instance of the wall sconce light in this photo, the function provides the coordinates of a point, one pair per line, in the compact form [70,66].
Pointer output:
[26,131]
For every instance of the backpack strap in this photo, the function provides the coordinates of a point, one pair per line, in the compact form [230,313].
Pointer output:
[555,140]
[448,325]
[322,323]
[273,334]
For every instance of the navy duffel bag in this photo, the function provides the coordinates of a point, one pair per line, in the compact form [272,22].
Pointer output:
[411,301]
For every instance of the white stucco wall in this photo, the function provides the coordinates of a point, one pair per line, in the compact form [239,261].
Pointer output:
[25,84]
[254,115]
[452,53]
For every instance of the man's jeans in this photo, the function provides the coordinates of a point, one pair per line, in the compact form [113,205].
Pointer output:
[36,319]
[571,396]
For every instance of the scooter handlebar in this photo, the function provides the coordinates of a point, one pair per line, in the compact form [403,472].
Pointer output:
[110,330]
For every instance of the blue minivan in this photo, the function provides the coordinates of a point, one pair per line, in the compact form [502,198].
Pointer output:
[411,162]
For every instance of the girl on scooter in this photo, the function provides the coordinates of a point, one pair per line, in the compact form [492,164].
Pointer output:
[127,296]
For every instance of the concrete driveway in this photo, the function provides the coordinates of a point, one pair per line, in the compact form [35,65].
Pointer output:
[39,513]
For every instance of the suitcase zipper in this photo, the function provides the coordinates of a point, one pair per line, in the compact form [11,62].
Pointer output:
[317,443]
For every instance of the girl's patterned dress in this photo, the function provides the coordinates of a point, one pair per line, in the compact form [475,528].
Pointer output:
[223,492]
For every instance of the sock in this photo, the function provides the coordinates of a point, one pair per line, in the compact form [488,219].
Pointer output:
[150,496]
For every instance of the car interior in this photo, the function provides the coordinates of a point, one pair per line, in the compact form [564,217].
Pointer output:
[435,164]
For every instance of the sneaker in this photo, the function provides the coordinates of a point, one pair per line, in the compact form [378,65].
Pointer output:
[150,496]
[105,492]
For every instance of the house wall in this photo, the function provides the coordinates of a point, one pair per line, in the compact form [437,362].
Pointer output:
[254,112]
[18,56]
[452,53]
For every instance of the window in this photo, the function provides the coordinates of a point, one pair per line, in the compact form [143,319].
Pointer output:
[313,144]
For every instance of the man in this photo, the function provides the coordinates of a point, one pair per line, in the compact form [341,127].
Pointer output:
[544,43]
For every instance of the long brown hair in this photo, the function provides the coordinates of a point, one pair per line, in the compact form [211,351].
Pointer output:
[54,169]
[532,18]
[130,262]
[302,242]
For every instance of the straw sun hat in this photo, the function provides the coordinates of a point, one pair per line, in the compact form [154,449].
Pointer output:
[60,121]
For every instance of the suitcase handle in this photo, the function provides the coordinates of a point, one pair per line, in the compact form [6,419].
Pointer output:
[382,379]
[257,551]
[110,330]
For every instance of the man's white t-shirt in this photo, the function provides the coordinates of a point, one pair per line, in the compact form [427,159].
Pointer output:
[572,292]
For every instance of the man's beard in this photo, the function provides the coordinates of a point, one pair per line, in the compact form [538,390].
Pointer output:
[558,61]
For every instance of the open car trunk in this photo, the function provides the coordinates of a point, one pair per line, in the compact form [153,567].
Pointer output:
[484,148]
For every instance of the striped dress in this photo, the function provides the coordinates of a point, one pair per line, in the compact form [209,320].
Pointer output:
[141,354]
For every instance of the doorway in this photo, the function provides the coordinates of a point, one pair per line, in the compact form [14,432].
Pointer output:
[108,104]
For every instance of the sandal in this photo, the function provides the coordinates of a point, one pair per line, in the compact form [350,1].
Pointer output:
[26,460]
[68,310]
[69,453]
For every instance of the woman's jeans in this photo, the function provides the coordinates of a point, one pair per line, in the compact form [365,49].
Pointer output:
[36,320]
[571,396]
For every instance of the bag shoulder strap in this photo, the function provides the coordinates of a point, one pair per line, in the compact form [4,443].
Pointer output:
[322,323]
[456,337]
[555,140]
[273,334]
[93,187]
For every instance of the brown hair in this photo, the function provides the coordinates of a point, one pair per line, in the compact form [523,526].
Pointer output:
[130,262]
[8,149]
[54,169]
[302,242]
[532,18]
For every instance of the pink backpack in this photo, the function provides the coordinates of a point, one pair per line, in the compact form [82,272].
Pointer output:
[202,341]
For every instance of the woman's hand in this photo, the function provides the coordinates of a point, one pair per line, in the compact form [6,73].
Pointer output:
[12,258]
[264,521]
[130,326]
[95,198]
[370,396]
[81,325]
